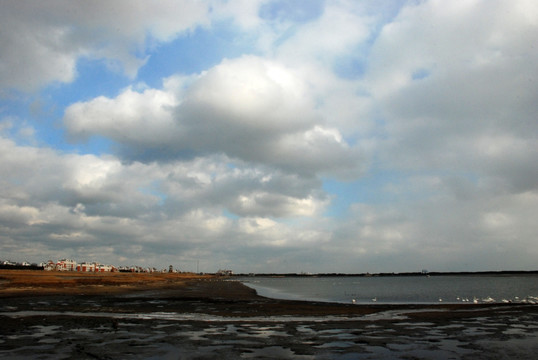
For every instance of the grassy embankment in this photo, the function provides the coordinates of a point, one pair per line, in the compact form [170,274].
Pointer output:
[35,282]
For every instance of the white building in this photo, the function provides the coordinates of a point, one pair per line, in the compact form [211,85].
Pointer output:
[66,265]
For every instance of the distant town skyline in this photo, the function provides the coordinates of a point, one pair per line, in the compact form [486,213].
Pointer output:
[271,136]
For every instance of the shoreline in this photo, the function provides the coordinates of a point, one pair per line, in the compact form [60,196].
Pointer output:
[167,316]
[395,274]
[225,296]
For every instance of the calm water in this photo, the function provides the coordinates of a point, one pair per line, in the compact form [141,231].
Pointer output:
[400,289]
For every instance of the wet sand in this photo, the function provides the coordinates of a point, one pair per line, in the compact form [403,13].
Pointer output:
[179,316]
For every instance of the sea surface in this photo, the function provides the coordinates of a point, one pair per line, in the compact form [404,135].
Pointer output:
[401,289]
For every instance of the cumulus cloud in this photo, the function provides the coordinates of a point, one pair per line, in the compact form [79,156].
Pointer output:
[81,202]
[45,40]
[461,97]
[440,232]
[426,108]
[337,33]
[250,109]
[138,118]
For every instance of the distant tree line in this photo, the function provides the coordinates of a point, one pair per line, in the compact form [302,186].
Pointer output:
[20,267]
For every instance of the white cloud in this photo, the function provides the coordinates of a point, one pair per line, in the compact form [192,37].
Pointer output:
[441,39]
[45,40]
[245,13]
[438,99]
[338,32]
[275,205]
[456,87]
[132,117]
[250,109]
[484,231]
[67,201]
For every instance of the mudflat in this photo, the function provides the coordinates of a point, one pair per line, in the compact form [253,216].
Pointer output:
[188,316]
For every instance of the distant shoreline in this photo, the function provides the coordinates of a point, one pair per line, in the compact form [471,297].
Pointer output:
[433,273]
[415,273]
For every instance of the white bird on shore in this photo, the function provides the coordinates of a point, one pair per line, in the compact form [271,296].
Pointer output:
[353,301]
[374,299]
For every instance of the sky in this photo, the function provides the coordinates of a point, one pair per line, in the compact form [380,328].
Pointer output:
[270,136]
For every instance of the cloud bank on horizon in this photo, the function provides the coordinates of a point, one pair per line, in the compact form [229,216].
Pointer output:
[271,136]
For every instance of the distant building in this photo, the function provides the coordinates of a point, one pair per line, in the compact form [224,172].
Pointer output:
[95,267]
[60,265]
[66,265]
[86,267]
[49,265]
[137,269]
[225,272]
[105,268]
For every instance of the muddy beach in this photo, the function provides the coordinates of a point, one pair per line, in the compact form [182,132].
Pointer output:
[178,316]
